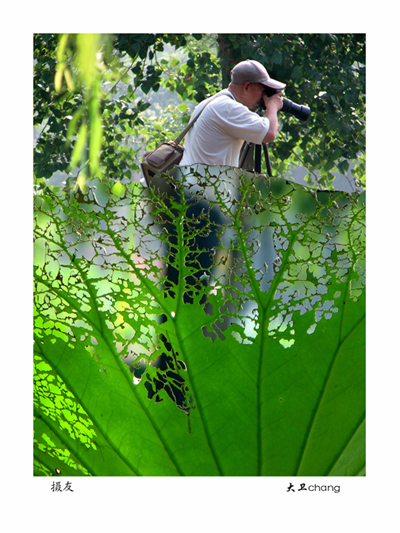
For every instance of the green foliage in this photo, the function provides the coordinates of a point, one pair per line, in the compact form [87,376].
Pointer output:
[99,98]
[83,124]
[269,355]
[263,369]
[199,75]
[325,72]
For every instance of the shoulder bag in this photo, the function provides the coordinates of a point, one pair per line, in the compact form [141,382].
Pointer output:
[168,154]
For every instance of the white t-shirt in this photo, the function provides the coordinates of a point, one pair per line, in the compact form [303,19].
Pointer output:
[218,134]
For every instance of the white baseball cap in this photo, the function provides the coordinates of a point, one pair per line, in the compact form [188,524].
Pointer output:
[253,72]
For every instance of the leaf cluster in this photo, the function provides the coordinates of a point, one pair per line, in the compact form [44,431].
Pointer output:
[325,72]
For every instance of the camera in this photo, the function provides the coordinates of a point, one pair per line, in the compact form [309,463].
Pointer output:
[302,112]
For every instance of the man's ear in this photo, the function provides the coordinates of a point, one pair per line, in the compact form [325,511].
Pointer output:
[246,85]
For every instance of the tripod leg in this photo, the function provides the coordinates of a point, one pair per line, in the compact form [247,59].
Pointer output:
[267,160]
[250,151]
[257,159]
[246,156]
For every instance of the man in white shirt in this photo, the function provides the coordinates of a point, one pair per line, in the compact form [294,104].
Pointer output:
[218,134]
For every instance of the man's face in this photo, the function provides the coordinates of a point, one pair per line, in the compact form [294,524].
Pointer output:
[254,95]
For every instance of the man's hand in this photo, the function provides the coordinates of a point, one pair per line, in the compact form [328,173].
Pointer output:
[275,101]
[273,104]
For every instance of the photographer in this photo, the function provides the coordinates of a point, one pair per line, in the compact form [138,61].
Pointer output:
[216,138]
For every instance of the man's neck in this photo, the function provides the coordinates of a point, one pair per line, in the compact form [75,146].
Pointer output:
[235,91]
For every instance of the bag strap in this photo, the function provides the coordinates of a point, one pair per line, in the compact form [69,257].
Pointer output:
[178,140]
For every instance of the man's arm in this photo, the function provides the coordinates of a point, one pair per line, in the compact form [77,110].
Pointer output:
[273,104]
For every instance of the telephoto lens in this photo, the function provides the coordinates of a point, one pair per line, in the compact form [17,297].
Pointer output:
[302,112]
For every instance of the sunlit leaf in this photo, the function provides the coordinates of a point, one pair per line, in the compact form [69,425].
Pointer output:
[79,145]
[252,367]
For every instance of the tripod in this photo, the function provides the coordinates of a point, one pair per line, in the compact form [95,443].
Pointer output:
[250,157]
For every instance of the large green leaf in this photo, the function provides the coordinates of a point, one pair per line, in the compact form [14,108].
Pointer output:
[268,357]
